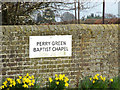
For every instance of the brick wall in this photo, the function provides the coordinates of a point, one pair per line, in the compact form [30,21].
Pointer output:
[94,50]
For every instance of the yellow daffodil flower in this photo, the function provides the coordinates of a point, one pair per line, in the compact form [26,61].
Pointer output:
[56,78]
[3,86]
[30,84]
[66,79]
[104,79]
[10,85]
[101,76]
[27,74]
[32,77]
[8,79]
[33,81]
[50,79]
[93,81]
[56,75]
[96,77]
[11,81]
[20,77]
[25,86]
[63,75]
[97,74]
[14,83]
[24,79]
[5,83]
[90,79]
[93,77]
[60,78]
[66,84]
[57,83]
[111,80]
[18,80]
[27,80]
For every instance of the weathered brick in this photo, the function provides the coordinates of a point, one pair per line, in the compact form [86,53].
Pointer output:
[94,49]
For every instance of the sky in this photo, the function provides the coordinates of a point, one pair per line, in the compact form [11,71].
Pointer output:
[110,7]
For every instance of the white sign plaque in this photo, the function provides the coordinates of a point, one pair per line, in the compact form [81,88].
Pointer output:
[50,46]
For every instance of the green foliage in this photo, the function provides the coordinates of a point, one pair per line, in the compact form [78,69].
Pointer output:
[98,81]
[85,83]
[116,83]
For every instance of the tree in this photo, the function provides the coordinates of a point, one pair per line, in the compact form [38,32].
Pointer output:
[15,13]
[108,15]
[47,16]
[67,16]
[92,16]
[20,12]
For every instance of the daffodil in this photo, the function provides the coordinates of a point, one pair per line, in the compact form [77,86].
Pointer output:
[111,80]
[57,83]
[93,81]
[66,84]
[27,74]
[11,81]
[27,80]
[101,76]
[20,77]
[33,81]
[56,75]
[96,77]
[50,79]
[30,84]
[14,83]
[24,79]
[63,75]
[10,85]
[32,77]
[25,86]
[66,79]
[90,79]
[104,79]
[60,77]
[5,82]
[8,79]
[56,78]
[19,81]
[3,86]
[97,74]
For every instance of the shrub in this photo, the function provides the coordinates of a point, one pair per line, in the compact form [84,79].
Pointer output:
[98,81]
[21,82]
[58,82]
